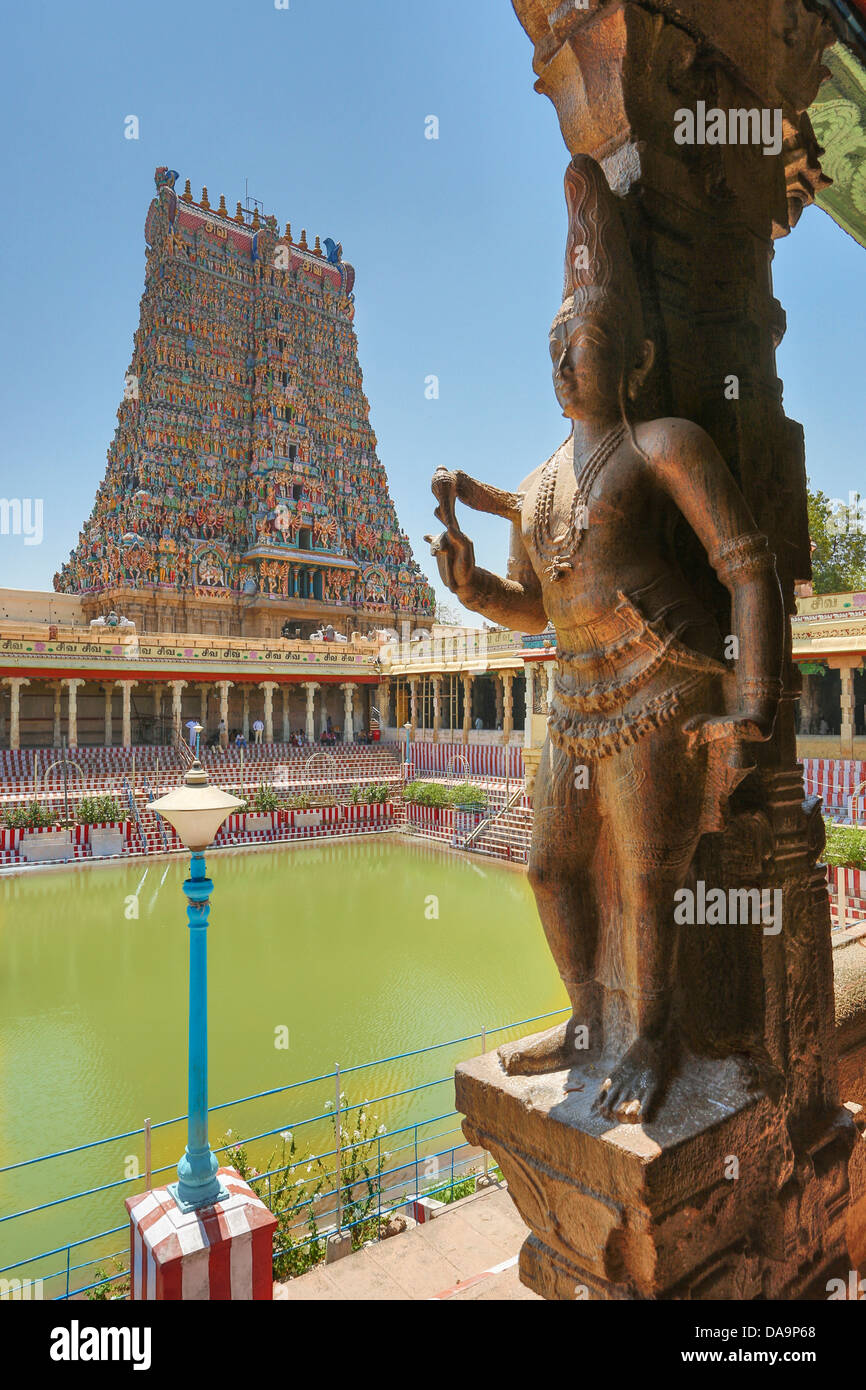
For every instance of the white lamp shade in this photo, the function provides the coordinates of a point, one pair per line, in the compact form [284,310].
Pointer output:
[196,813]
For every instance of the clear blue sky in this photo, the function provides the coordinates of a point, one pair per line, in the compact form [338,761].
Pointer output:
[457,243]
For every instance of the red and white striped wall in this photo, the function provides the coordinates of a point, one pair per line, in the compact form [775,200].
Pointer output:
[217,1253]
[835,780]
[484,759]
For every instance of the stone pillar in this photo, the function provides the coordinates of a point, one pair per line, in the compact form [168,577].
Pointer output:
[311,687]
[269,687]
[529,668]
[157,710]
[606,1203]
[551,679]
[202,713]
[467,680]
[383,701]
[846,672]
[348,690]
[499,695]
[436,682]
[810,702]
[285,691]
[224,687]
[57,731]
[413,703]
[245,720]
[109,696]
[507,678]
[222,1252]
[177,689]
[126,734]
[72,710]
[15,683]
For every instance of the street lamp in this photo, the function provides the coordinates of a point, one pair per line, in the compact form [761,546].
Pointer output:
[197,810]
[407,729]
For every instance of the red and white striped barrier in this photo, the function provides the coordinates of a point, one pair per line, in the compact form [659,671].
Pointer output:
[483,759]
[847,888]
[437,821]
[835,780]
[215,1254]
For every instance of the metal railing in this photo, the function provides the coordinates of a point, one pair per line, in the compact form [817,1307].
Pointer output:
[155,814]
[488,820]
[136,814]
[422,1165]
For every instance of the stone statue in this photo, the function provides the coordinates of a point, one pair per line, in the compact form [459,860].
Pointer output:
[654,705]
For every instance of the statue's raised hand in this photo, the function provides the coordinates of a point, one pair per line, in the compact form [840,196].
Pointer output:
[746,727]
[453,551]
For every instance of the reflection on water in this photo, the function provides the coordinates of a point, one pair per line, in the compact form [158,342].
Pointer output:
[360,950]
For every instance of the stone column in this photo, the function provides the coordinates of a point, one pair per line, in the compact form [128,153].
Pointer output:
[846,670]
[202,712]
[245,720]
[467,680]
[311,687]
[348,690]
[72,710]
[177,689]
[126,725]
[15,683]
[224,687]
[383,700]
[285,691]
[499,695]
[57,731]
[551,678]
[157,710]
[109,696]
[507,678]
[436,682]
[269,687]
[529,668]
[413,703]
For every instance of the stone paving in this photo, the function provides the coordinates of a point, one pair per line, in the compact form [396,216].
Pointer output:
[467,1252]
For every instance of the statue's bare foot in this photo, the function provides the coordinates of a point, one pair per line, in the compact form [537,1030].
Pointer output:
[550,1051]
[637,1082]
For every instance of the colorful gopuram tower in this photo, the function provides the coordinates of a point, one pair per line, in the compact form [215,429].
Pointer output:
[243,491]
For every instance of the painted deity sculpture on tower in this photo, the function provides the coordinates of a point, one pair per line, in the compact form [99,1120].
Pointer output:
[654,704]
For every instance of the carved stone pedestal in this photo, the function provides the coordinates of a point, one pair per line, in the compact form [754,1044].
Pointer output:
[705,1202]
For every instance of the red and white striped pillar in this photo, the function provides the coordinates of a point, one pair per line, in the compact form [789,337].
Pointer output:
[217,1253]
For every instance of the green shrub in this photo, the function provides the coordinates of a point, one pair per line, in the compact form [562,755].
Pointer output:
[846,845]
[265,799]
[376,795]
[435,794]
[92,810]
[294,1187]
[299,802]
[28,817]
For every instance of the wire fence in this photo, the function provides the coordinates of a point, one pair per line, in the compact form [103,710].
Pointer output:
[354,1174]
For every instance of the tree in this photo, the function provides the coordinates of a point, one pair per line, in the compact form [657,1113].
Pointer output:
[447,616]
[838,534]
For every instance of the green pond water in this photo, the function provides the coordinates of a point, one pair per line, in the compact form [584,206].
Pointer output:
[339,944]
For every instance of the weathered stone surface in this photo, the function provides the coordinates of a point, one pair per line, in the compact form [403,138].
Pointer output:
[683,1207]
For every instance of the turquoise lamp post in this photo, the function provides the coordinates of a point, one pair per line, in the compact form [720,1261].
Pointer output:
[407,729]
[197,810]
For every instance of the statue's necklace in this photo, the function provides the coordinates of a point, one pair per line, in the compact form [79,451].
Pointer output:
[556,550]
